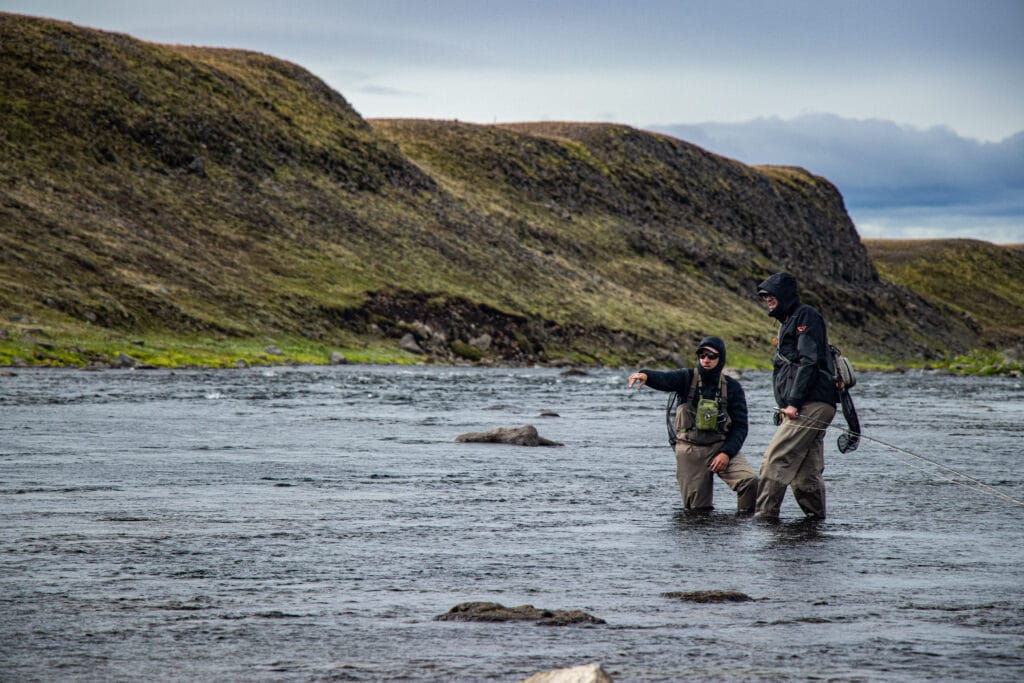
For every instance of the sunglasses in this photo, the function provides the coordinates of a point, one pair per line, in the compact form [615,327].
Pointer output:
[707,354]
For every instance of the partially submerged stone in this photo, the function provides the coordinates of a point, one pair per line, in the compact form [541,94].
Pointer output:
[586,673]
[708,596]
[494,612]
[516,436]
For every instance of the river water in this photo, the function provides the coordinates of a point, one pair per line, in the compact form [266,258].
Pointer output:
[296,524]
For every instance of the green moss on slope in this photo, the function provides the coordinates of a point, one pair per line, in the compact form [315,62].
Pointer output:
[154,193]
[979,280]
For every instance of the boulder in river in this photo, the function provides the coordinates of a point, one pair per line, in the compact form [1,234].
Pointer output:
[516,436]
[586,673]
[708,596]
[493,611]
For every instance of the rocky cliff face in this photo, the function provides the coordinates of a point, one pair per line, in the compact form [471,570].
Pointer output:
[705,219]
[172,190]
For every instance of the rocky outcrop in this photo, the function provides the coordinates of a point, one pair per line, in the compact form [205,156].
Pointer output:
[495,612]
[515,436]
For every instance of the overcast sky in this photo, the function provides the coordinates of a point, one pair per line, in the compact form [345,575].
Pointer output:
[909,106]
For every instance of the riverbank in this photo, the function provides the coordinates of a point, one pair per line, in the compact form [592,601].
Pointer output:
[34,347]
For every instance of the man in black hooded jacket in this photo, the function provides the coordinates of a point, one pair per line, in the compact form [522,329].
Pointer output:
[806,398]
[709,433]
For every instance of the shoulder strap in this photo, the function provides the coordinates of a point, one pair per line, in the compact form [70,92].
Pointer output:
[693,386]
[675,401]
[778,340]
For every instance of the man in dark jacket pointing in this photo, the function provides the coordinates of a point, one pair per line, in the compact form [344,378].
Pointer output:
[710,427]
[806,398]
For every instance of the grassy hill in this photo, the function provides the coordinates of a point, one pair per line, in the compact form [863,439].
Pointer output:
[982,282]
[196,205]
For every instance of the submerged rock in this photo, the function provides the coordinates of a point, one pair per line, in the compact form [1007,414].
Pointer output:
[493,611]
[516,436]
[586,673]
[708,596]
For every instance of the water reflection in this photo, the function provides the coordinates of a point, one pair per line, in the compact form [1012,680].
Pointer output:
[794,532]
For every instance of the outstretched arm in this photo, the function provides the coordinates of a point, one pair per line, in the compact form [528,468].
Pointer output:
[670,380]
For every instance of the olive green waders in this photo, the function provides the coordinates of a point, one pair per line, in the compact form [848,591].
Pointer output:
[796,458]
[696,480]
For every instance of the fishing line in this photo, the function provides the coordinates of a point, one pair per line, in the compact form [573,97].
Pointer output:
[978,485]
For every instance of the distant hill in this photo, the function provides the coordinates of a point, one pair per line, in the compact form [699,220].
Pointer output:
[980,281]
[154,192]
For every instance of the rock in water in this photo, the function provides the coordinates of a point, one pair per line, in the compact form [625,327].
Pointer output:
[587,673]
[708,596]
[493,611]
[516,436]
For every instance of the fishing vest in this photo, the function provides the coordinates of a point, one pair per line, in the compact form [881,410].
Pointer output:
[688,422]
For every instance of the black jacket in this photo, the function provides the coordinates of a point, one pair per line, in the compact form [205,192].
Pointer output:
[679,381]
[801,365]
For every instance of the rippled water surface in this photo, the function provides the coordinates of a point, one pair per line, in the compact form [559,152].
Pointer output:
[310,523]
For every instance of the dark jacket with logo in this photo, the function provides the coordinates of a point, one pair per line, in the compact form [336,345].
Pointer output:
[679,381]
[801,365]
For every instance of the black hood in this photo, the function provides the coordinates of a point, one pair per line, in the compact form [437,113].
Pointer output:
[710,377]
[783,287]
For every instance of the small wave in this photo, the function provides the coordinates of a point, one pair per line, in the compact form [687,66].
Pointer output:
[68,489]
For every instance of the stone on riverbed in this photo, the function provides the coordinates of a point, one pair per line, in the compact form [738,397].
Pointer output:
[587,673]
[493,611]
[708,596]
[516,436]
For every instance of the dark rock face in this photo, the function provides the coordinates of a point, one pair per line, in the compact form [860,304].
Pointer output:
[495,612]
[432,324]
[708,596]
[515,436]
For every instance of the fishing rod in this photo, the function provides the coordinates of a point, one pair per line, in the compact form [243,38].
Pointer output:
[978,485]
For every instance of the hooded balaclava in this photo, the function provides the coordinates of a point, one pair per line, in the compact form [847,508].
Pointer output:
[783,287]
[709,378]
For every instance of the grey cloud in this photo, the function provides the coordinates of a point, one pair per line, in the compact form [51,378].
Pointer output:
[384,91]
